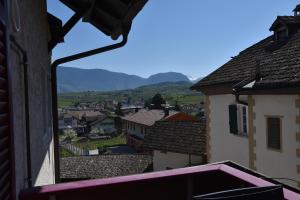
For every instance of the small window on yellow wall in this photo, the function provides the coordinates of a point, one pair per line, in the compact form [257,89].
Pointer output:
[274,133]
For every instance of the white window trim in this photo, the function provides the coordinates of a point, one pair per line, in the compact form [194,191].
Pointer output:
[240,122]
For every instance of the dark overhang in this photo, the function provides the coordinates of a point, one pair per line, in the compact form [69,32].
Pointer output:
[109,16]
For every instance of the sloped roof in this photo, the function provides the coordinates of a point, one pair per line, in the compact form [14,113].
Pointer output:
[91,167]
[100,120]
[147,117]
[180,137]
[181,117]
[278,64]
[286,20]
[80,113]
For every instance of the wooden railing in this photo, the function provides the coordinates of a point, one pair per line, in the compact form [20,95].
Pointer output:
[175,184]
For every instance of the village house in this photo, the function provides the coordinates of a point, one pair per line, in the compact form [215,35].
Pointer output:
[177,143]
[127,109]
[69,121]
[107,125]
[137,125]
[87,115]
[66,120]
[253,104]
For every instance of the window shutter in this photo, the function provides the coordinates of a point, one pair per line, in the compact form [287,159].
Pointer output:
[233,123]
[273,133]
[5,140]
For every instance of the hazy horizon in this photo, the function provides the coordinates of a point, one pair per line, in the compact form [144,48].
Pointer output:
[162,72]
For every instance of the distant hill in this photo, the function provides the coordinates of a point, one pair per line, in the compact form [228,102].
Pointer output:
[77,80]
[171,91]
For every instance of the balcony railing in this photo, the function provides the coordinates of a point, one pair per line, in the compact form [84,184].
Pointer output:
[172,184]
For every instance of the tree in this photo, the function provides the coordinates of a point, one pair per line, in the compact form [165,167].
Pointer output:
[70,134]
[147,104]
[157,101]
[119,111]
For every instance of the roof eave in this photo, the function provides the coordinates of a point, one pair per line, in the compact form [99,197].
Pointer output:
[269,89]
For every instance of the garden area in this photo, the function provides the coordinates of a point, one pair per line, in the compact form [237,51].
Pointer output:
[100,144]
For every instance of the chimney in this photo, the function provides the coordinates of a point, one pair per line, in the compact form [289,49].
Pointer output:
[297,10]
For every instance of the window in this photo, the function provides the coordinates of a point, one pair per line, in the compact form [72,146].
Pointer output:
[274,133]
[238,119]
[233,119]
[243,122]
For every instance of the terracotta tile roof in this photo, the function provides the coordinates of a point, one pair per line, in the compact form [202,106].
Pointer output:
[181,117]
[180,137]
[80,114]
[278,64]
[147,117]
[91,167]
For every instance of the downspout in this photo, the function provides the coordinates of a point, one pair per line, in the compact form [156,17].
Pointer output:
[54,88]
[235,92]
[237,98]
[27,116]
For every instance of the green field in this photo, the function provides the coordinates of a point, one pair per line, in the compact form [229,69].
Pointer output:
[172,92]
[65,153]
[91,145]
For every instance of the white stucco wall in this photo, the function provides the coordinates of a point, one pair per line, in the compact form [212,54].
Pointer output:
[225,146]
[162,161]
[277,163]
[137,130]
[33,37]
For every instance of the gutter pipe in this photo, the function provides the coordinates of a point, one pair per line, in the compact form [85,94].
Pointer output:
[235,92]
[27,116]
[237,98]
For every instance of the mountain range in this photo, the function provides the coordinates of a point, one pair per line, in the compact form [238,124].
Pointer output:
[72,79]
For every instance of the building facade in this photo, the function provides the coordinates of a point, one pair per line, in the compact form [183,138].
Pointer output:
[28,75]
[252,105]
[137,125]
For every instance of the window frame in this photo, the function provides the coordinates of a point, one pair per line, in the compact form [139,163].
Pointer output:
[280,132]
[239,114]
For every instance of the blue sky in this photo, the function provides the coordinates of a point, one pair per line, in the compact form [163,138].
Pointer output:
[193,37]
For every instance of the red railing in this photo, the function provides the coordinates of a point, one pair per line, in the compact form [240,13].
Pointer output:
[172,184]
